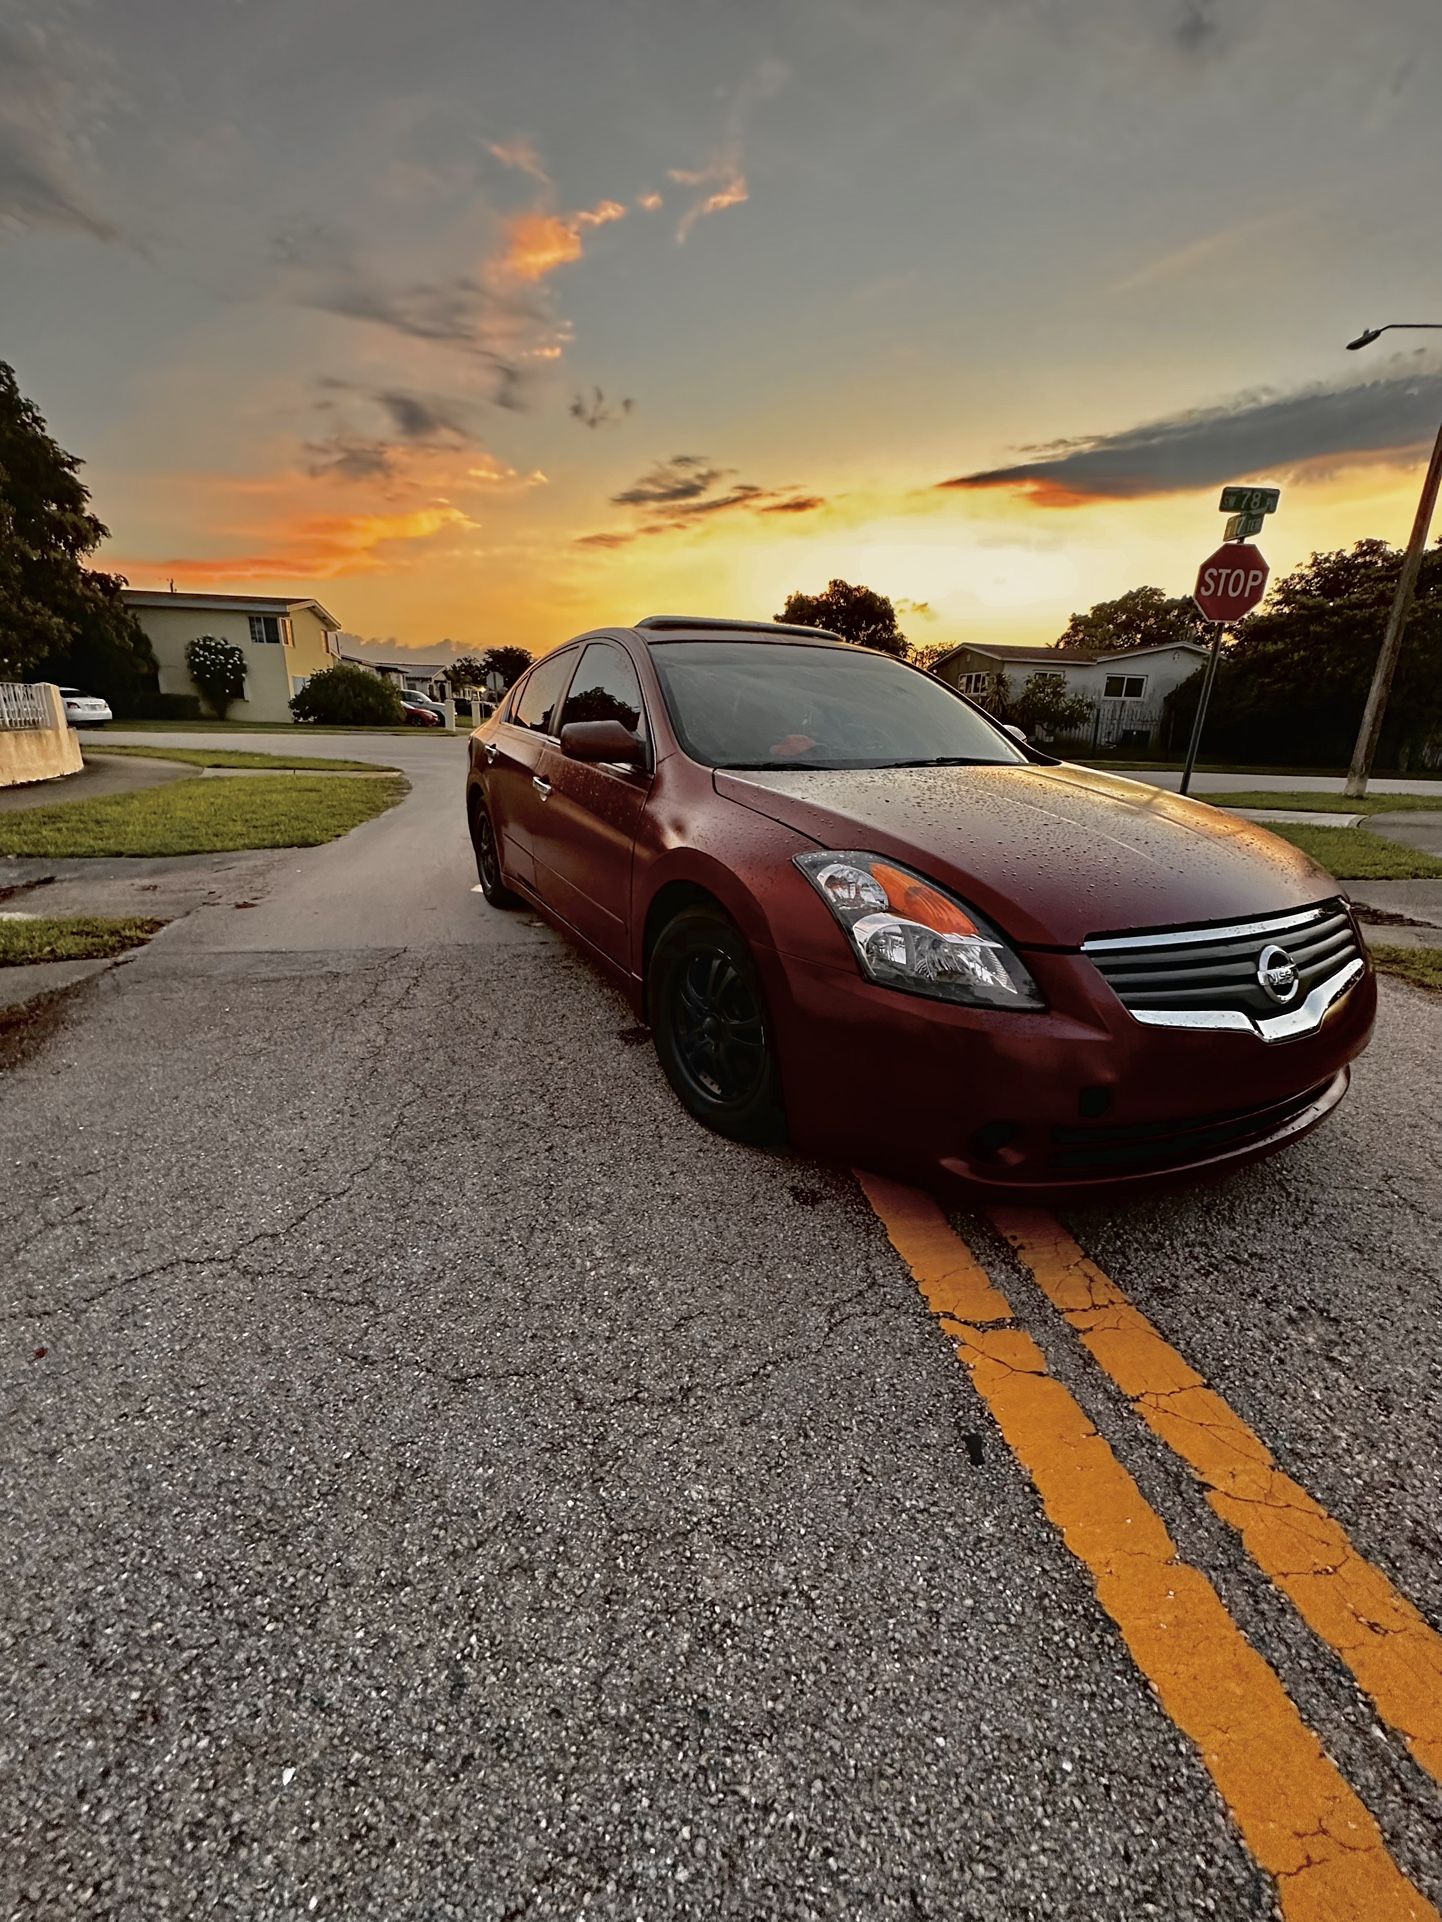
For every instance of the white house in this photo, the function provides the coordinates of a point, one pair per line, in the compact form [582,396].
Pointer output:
[283,639]
[1127,690]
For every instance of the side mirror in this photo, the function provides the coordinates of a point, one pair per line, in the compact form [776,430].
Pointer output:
[602,741]
[1016,733]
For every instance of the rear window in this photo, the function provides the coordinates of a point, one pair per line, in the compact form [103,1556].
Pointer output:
[770,704]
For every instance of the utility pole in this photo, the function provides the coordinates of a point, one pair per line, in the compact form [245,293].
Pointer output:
[1372,715]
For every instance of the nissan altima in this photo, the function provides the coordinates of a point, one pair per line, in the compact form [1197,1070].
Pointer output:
[856,911]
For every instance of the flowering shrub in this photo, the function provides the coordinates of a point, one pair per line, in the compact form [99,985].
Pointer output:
[218,669]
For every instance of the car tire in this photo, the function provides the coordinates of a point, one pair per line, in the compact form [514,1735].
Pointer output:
[711,1027]
[488,858]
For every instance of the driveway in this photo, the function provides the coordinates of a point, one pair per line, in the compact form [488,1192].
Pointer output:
[442,1482]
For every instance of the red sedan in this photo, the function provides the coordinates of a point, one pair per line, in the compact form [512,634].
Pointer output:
[855,910]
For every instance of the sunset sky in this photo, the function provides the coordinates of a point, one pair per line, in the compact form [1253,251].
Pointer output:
[490,322]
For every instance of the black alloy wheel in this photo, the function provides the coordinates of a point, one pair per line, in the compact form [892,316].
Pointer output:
[711,1029]
[488,860]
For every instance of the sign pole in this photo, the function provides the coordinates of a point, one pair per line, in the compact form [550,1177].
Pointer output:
[1206,694]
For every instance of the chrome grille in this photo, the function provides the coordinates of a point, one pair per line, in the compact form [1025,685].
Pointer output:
[1208,977]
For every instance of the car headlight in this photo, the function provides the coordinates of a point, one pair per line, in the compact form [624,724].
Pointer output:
[908,933]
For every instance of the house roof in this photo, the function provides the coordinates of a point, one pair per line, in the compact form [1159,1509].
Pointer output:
[1063,656]
[229,603]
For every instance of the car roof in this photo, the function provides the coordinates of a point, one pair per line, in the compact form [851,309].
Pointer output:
[708,627]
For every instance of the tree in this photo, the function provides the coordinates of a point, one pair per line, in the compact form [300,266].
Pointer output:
[857,614]
[59,620]
[928,653]
[1044,707]
[1291,687]
[467,670]
[1144,617]
[348,696]
[218,669]
[509,662]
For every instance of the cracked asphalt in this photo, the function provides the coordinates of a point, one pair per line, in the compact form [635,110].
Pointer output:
[442,1482]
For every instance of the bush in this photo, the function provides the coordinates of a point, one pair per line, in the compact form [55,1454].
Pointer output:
[218,669]
[346,696]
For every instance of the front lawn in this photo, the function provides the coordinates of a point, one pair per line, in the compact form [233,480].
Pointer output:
[1421,966]
[71,937]
[240,757]
[1352,854]
[203,817]
[1299,801]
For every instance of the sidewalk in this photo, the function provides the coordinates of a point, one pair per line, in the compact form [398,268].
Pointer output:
[114,774]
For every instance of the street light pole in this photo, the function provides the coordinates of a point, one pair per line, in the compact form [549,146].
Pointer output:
[1370,731]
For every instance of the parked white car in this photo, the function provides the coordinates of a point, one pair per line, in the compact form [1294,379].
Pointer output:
[85,710]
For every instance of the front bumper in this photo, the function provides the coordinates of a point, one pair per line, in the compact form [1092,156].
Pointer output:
[1078,1099]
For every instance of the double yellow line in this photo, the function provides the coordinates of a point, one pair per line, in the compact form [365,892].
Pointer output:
[1300,1818]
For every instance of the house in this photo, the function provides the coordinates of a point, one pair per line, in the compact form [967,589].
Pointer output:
[409,677]
[1127,690]
[284,642]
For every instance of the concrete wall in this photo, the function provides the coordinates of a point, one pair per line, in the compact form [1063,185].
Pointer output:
[272,670]
[40,753]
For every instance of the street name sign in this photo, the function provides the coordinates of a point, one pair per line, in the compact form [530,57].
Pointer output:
[1230,582]
[1249,500]
[1241,525]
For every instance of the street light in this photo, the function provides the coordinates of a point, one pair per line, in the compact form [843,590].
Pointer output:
[1371,728]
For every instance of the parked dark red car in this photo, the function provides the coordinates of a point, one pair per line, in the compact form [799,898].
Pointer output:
[853,908]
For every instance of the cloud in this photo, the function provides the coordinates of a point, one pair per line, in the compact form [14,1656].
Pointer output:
[650,203]
[520,155]
[598,411]
[691,489]
[1254,434]
[538,243]
[317,547]
[419,441]
[722,177]
[52,91]
[492,323]
[684,477]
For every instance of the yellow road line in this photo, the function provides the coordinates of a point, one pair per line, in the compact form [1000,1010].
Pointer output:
[1298,1816]
[1392,1650]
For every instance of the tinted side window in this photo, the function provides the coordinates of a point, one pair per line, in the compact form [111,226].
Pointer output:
[605,689]
[536,707]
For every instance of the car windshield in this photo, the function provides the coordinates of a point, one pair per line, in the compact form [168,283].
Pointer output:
[777,704]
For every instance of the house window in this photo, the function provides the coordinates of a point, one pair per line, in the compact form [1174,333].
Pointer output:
[1125,687]
[269,628]
[974,683]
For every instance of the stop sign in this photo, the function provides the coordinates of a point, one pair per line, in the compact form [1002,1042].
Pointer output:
[1230,582]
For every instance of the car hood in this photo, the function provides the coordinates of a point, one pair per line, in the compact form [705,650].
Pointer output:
[1050,854]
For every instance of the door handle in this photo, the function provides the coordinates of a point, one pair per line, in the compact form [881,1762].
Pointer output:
[543,788]
[492,750]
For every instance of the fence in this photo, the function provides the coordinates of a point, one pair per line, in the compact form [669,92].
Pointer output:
[22,706]
[36,741]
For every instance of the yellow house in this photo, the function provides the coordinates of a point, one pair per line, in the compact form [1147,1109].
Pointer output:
[284,642]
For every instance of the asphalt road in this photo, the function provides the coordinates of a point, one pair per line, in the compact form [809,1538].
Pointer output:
[441,1482]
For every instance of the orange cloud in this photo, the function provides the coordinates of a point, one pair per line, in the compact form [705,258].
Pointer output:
[730,190]
[521,155]
[320,547]
[650,203]
[538,243]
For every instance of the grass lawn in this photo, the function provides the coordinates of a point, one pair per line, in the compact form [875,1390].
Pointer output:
[1301,801]
[202,817]
[238,757]
[1352,854]
[74,937]
[1421,966]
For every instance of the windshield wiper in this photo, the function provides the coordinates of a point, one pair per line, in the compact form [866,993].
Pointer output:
[945,760]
